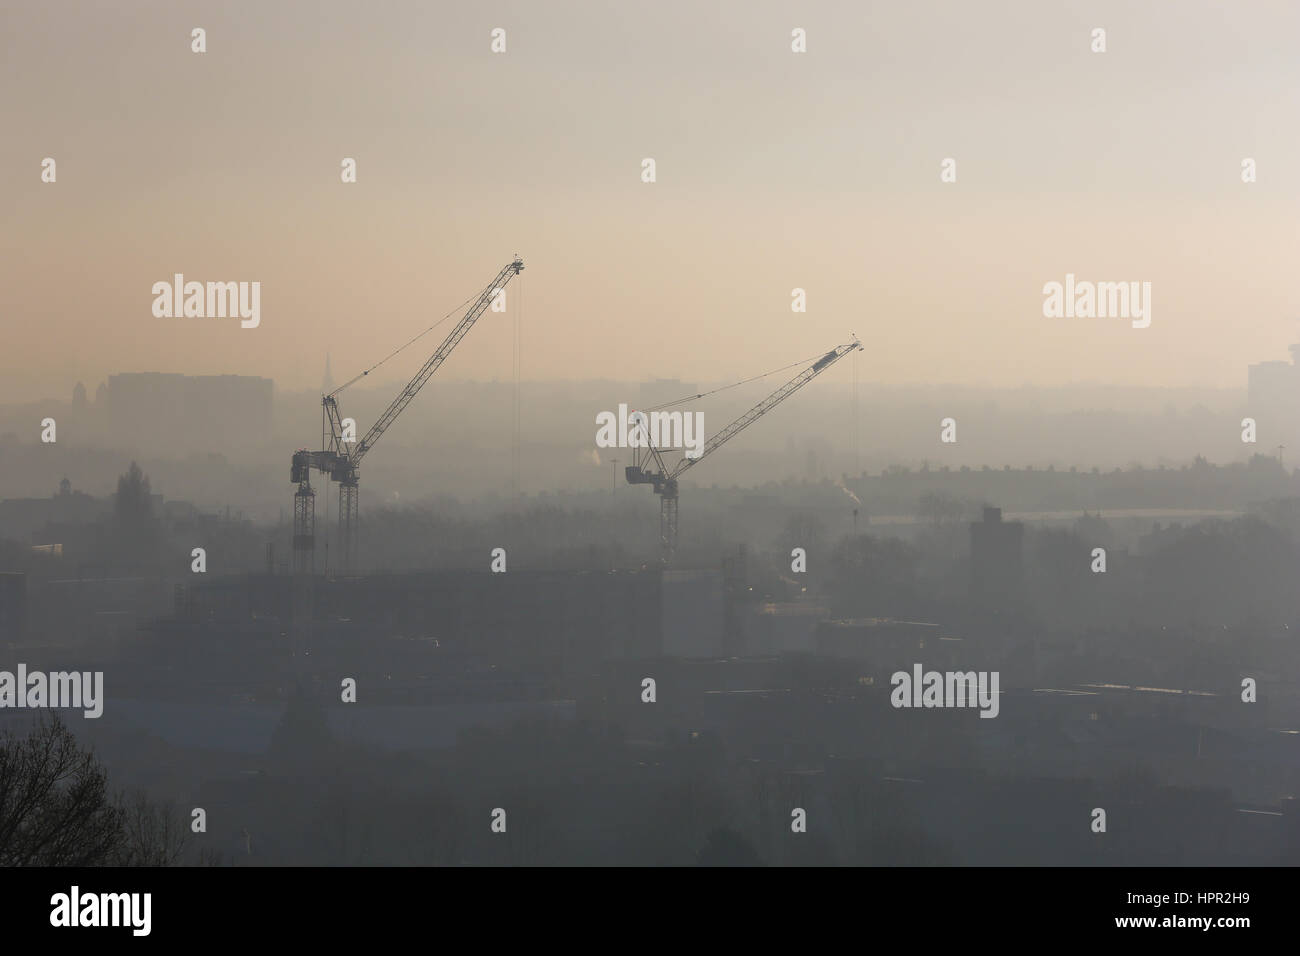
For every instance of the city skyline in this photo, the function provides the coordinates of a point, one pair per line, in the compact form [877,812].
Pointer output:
[775,171]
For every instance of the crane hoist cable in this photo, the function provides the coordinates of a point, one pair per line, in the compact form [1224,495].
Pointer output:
[390,355]
[723,388]
[664,479]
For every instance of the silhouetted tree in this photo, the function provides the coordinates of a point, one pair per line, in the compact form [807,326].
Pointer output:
[135,536]
[55,809]
[132,504]
[151,834]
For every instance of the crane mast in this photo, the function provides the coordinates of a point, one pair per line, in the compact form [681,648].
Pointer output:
[664,479]
[341,458]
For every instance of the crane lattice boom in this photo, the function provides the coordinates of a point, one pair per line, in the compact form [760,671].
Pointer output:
[766,405]
[664,479]
[367,442]
[340,459]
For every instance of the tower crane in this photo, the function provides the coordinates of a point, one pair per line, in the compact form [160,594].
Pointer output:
[664,479]
[341,457]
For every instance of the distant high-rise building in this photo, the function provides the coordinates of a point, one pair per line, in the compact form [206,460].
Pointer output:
[79,396]
[996,557]
[1275,383]
[1273,396]
[327,383]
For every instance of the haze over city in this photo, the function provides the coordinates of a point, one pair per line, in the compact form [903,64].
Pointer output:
[835,434]
[774,172]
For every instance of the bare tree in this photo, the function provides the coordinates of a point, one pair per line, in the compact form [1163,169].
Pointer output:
[152,834]
[55,808]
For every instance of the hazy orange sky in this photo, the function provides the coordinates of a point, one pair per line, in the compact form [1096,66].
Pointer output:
[775,170]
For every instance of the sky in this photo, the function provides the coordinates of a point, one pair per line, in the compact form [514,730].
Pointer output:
[775,170]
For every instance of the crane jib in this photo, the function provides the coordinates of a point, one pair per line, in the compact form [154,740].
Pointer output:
[825,360]
[340,463]
[665,480]
[485,299]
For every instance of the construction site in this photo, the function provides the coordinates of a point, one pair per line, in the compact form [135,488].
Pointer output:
[495,617]
[709,668]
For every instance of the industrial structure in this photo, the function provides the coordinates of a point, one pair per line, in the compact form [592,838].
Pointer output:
[664,479]
[341,455]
